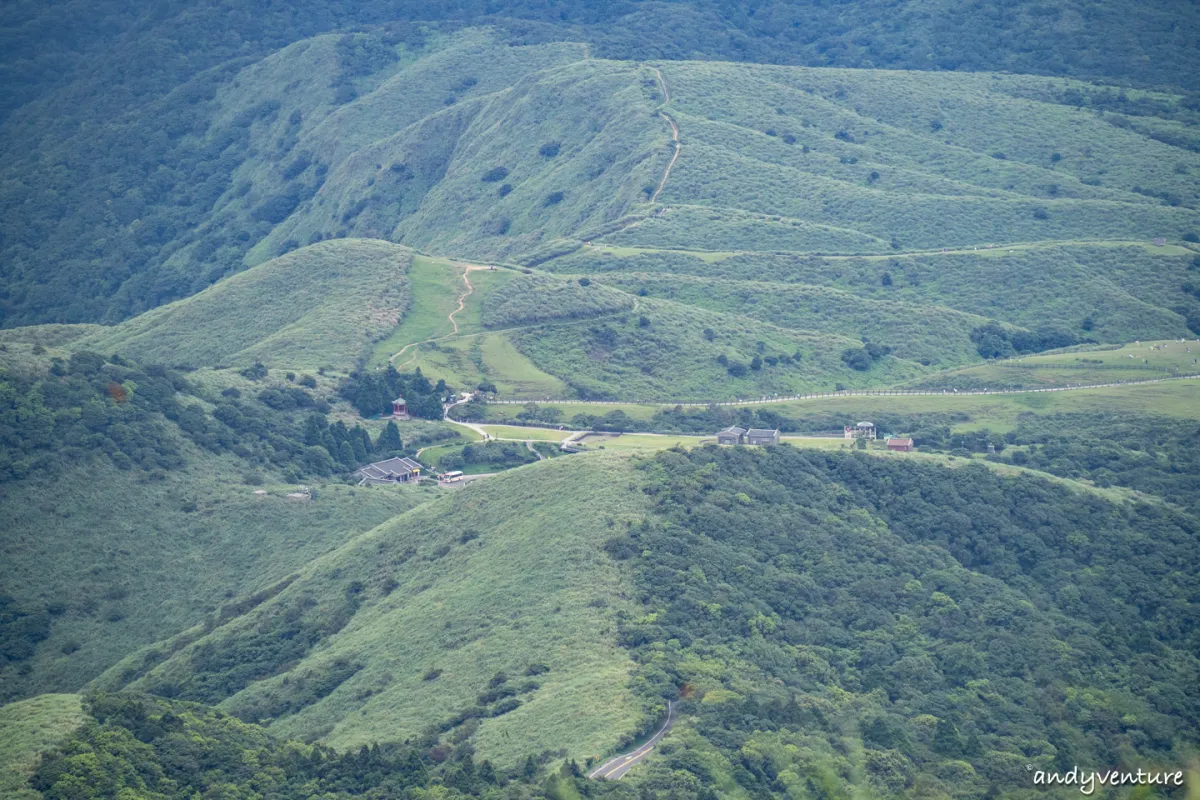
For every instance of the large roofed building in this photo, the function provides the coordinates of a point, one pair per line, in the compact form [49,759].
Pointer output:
[394,470]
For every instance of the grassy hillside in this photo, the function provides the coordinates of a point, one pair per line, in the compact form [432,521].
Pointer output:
[390,131]
[324,304]
[1023,199]
[832,146]
[1125,290]
[1075,367]
[402,628]
[28,729]
[670,357]
[119,559]
[928,334]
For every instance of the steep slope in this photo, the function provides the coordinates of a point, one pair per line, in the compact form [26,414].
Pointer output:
[405,627]
[670,351]
[973,156]
[1126,292]
[324,304]
[496,174]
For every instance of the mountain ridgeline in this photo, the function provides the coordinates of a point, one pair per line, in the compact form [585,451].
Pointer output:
[546,249]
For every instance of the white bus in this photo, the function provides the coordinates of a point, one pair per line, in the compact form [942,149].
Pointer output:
[451,477]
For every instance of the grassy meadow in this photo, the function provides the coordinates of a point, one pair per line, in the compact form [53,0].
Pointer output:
[1179,399]
[1088,365]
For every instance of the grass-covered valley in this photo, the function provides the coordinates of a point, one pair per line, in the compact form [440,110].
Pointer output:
[362,368]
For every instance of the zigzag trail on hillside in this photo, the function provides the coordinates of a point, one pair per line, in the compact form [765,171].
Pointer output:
[674,135]
[462,302]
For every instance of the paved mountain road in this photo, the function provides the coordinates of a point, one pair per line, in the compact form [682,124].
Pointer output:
[615,768]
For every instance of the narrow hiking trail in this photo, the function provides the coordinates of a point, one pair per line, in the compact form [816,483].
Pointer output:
[462,303]
[674,135]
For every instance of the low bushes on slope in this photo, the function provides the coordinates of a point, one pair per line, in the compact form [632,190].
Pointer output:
[399,633]
[541,298]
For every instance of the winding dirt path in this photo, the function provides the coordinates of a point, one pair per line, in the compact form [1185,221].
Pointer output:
[674,135]
[462,303]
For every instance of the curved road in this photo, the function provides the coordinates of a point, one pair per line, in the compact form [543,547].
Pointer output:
[614,769]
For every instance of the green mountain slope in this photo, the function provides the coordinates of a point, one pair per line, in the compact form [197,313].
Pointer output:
[918,332]
[324,304]
[790,602]
[114,560]
[495,174]
[486,144]
[28,729]
[405,627]
[955,625]
[1128,291]
[662,352]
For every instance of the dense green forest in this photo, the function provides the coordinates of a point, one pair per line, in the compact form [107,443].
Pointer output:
[958,624]
[92,407]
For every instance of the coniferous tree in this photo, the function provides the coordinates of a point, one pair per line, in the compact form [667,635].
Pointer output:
[389,440]
[346,455]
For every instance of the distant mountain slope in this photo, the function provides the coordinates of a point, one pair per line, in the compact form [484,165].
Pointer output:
[917,331]
[1121,292]
[324,304]
[495,174]
[926,160]
[493,143]
[405,627]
